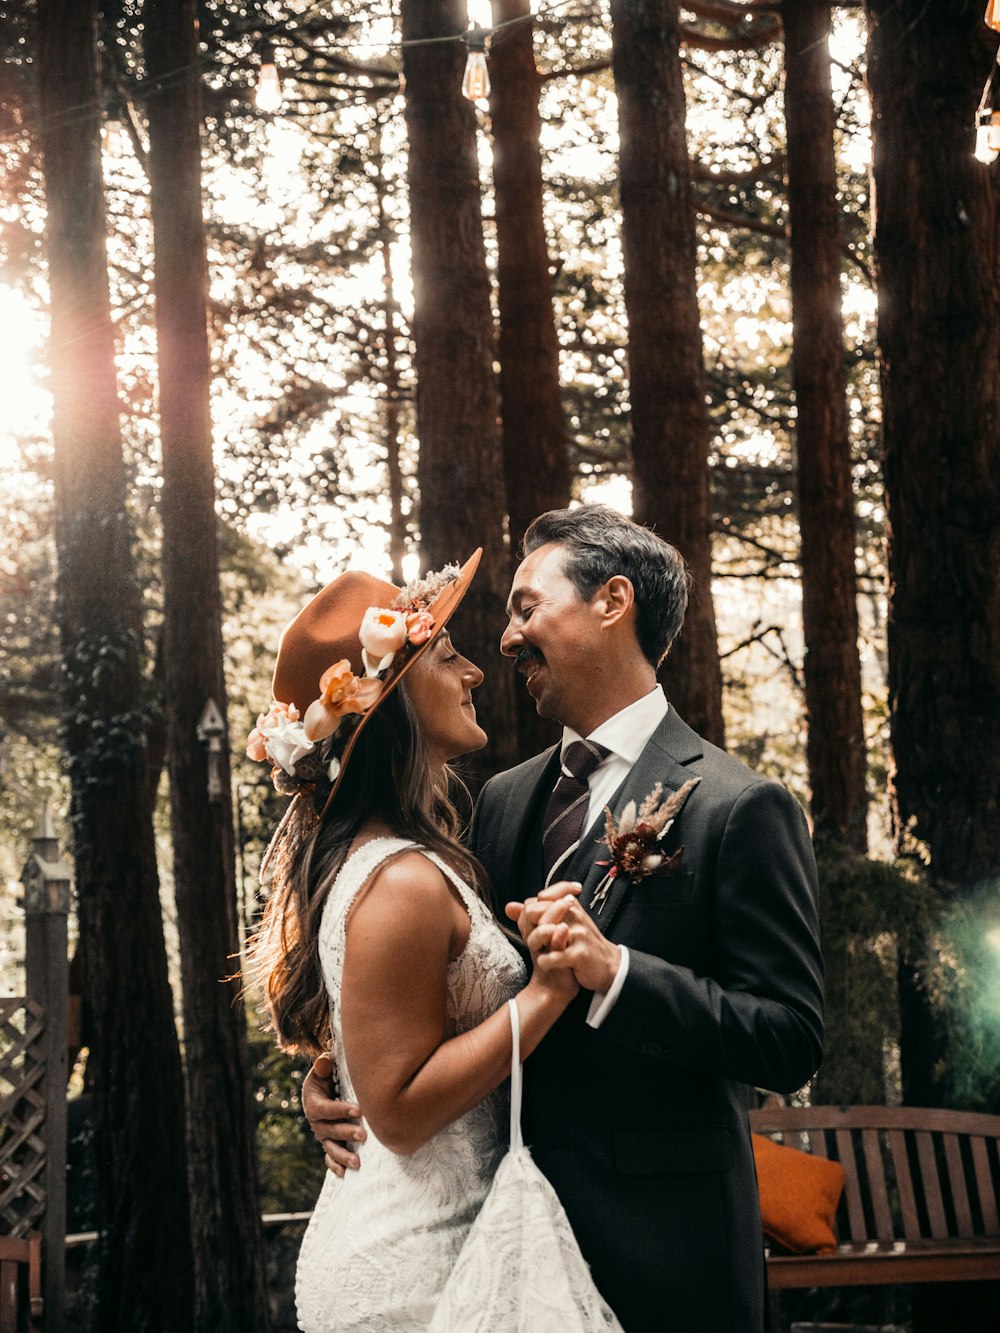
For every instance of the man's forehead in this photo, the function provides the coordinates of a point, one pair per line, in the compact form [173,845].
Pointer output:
[535,570]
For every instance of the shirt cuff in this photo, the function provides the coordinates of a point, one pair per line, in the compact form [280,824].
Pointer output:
[603,1002]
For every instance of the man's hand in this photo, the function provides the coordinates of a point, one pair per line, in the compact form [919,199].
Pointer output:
[562,935]
[334,1123]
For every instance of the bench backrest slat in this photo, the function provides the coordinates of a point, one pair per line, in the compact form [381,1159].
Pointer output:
[877,1191]
[932,1187]
[956,1179]
[984,1186]
[852,1185]
[817,1143]
[904,1184]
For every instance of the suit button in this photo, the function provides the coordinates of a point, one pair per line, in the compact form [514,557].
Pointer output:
[651,1048]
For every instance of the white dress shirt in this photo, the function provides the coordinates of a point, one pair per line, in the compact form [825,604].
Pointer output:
[626,736]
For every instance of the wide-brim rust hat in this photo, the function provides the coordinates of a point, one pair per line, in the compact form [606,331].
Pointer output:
[326,631]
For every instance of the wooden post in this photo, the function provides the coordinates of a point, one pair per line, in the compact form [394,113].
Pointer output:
[46,879]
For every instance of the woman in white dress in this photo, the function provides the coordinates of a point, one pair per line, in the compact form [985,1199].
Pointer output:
[376,943]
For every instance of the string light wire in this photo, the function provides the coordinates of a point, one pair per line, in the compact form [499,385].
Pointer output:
[170,78]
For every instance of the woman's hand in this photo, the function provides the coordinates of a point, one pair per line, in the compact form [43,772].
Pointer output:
[527,915]
[562,937]
[552,905]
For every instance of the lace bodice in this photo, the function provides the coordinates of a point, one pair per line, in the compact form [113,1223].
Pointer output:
[383,1240]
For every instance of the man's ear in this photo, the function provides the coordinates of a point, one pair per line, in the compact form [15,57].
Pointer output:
[617,599]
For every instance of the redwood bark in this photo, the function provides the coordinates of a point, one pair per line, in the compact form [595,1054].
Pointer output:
[393,386]
[835,747]
[937,247]
[669,416]
[228,1249]
[134,1065]
[536,461]
[460,469]
[535,449]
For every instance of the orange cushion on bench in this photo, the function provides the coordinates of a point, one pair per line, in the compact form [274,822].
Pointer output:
[799,1194]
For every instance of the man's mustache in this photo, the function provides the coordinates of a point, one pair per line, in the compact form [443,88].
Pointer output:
[525,656]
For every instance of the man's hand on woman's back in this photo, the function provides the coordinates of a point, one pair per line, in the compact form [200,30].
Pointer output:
[336,1124]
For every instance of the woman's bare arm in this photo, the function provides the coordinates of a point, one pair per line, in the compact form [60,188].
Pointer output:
[410,1080]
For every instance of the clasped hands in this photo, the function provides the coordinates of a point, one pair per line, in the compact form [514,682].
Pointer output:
[561,936]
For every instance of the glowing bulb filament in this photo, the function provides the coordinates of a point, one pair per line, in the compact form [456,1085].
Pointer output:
[113,138]
[476,82]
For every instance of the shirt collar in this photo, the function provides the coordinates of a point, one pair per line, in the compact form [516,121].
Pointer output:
[626,733]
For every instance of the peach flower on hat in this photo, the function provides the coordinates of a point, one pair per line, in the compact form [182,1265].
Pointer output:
[382,634]
[419,627]
[341,692]
[279,736]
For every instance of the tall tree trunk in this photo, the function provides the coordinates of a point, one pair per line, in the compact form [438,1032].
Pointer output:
[393,387]
[229,1267]
[135,1062]
[937,245]
[836,742]
[536,462]
[460,468]
[669,416]
[535,454]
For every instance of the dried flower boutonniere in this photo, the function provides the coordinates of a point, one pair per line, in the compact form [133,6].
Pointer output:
[634,840]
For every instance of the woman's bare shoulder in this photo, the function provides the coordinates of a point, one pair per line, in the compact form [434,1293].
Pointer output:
[406,885]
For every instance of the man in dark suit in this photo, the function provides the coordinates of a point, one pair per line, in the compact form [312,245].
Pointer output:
[698,980]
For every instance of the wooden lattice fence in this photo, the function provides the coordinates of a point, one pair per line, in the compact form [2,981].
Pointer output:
[33,1072]
[22,1116]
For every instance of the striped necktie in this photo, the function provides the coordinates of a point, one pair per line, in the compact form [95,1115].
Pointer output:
[567,807]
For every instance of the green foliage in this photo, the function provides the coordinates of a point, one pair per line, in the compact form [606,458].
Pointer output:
[866,908]
[869,910]
[291,1161]
[966,981]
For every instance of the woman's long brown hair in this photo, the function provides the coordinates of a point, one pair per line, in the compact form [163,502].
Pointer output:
[388,777]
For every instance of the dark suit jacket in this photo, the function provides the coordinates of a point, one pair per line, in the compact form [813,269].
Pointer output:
[641,1124]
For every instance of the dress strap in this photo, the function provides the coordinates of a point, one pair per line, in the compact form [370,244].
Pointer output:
[516,1141]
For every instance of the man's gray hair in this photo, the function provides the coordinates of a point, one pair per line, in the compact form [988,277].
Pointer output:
[601,543]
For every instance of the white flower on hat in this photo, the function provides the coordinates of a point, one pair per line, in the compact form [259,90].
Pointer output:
[382,634]
[280,737]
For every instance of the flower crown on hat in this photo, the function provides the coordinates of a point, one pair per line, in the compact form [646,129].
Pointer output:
[389,637]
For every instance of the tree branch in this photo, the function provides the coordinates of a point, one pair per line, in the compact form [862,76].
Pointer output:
[748,176]
[723,216]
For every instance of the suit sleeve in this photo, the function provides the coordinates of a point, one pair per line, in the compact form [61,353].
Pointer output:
[757,1018]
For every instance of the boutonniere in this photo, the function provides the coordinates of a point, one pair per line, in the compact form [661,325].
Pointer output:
[634,840]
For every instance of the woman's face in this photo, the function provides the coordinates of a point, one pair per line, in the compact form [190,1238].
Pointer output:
[439,687]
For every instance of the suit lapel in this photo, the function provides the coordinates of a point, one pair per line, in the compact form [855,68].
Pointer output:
[523,851]
[672,746]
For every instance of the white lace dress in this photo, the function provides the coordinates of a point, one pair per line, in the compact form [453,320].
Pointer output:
[383,1240]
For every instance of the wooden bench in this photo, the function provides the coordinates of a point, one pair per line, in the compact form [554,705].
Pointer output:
[920,1194]
[20,1283]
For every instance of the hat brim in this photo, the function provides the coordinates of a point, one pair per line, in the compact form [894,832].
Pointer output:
[441,611]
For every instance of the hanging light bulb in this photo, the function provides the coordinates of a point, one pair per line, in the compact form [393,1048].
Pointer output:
[113,138]
[988,137]
[476,83]
[267,96]
[113,132]
[988,114]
